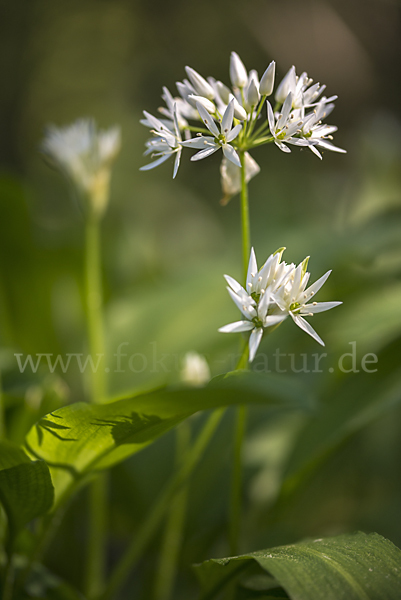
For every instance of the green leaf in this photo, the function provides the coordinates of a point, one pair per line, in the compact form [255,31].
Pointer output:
[26,489]
[348,567]
[81,438]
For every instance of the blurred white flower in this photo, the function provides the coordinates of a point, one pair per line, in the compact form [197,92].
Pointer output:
[231,176]
[201,86]
[195,370]
[165,143]
[84,155]
[208,145]
[273,293]
[319,133]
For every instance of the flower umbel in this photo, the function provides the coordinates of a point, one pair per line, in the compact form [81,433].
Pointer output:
[234,116]
[274,292]
[84,155]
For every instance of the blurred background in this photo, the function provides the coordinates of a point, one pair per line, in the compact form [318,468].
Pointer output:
[166,245]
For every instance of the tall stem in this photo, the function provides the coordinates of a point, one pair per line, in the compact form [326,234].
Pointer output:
[173,535]
[95,563]
[241,411]
[246,234]
[94,299]
[2,411]
[157,512]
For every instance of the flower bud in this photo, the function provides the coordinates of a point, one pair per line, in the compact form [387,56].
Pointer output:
[286,86]
[239,111]
[252,93]
[238,74]
[210,107]
[223,91]
[202,87]
[267,82]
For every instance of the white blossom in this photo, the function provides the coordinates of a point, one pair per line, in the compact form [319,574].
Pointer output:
[285,128]
[273,293]
[84,155]
[195,370]
[208,145]
[165,143]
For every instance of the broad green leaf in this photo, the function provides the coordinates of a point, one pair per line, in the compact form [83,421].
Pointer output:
[348,567]
[26,489]
[81,438]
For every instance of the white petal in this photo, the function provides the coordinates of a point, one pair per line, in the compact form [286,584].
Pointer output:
[318,307]
[199,143]
[204,153]
[282,146]
[234,285]
[252,270]
[231,154]
[329,146]
[270,116]
[245,305]
[237,327]
[227,120]
[155,163]
[315,151]
[208,120]
[177,163]
[305,326]
[234,132]
[273,320]
[315,287]
[254,341]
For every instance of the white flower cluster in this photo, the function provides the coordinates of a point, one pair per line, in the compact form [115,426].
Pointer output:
[234,119]
[84,155]
[274,292]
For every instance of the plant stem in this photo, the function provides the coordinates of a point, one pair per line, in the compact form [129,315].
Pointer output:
[246,244]
[157,512]
[95,562]
[2,411]
[93,298]
[9,579]
[97,528]
[172,542]
[241,411]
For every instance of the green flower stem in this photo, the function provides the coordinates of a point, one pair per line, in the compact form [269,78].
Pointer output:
[2,411]
[246,243]
[262,141]
[253,123]
[157,512]
[97,536]
[95,562]
[93,301]
[241,411]
[173,536]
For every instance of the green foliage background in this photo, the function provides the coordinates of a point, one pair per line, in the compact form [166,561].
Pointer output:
[167,244]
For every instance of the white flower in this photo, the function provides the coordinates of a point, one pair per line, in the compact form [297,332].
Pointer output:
[292,298]
[231,176]
[209,145]
[165,143]
[84,155]
[272,294]
[286,127]
[182,108]
[195,370]
[255,302]
[238,74]
[319,133]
